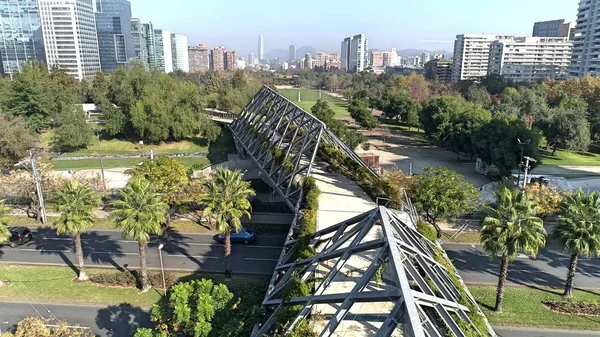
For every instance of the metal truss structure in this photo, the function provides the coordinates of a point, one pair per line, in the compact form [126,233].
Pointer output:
[283,141]
[374,275]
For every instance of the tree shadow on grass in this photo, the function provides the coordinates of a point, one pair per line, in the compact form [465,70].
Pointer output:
[122,320]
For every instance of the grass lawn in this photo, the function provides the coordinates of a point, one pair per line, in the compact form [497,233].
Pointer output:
[405,130]
[568,158]
[89,164]
[522,307]
[464,237]
[54,285]
[310,97]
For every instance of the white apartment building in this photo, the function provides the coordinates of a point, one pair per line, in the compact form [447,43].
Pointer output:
[355,53]
[528,59]
[164,51]
[179,47]
[70,38]
[586,41]
[471,55]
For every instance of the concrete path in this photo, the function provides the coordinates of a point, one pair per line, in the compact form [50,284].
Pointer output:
[530,332]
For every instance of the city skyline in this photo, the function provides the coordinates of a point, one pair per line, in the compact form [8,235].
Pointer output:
[215,24]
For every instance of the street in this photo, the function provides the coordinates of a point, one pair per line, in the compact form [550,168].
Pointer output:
[123,320]
[549,268]
[181,251]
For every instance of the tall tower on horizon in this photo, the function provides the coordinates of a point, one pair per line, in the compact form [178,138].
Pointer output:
[115,38]
[585,40]
[355,53]
[261,48]
[292,53]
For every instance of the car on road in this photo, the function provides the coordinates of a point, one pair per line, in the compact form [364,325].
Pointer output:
[244,235]
[19,236]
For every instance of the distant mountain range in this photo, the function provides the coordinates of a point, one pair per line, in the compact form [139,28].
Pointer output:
[283,54]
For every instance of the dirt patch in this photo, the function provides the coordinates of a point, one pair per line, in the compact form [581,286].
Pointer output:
[573,308]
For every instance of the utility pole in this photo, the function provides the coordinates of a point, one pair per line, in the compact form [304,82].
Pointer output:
[38,185]
[528,159]
[100,156]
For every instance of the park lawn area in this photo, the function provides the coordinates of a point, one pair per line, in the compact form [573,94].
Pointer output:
[464,237]
[412,132]
[310,97]
[569,158]
[89,164]
[54,285]
[522,307]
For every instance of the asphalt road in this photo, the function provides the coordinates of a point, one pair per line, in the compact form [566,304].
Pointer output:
[549,268]
[123,320]
[180,252]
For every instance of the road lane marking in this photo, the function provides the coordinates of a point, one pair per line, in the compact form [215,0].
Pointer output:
[115,253]
[46,250]
[266,247]
[259,259]
[193,256]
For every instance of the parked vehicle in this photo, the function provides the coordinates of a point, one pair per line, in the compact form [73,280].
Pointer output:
[19,236]
[244,235]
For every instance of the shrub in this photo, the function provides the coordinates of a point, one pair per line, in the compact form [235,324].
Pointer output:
[119,279]
[295,288]
[427,230]
[155,279]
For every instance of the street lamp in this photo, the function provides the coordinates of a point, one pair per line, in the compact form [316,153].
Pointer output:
[522,144]
[100,157]
[162,269]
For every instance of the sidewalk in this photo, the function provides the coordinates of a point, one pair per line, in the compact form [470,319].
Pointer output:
[506,331]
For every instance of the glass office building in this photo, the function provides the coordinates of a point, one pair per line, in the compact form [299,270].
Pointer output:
[115,39]
[20,34]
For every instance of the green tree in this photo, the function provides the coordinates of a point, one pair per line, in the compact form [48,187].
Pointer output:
[76,204]
[226,201]
[323,111]
[359,111]
[39,327]
[15,140]
[511,228]
[4,222]
[140,212]
[74,132]
[497,143]
[442,194]
[479,95]
[402,106]
[578,230]
[191,309]
[169,176]
[568,129]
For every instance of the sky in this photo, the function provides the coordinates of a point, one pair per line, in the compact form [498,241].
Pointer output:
[323,24]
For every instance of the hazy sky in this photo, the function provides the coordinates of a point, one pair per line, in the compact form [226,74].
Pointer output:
[324,23]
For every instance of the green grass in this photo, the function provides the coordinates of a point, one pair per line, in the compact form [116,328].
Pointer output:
[568,158]
[54,285]
[88,164]
[405,130]
[464,237]
[310,97]
[522,307]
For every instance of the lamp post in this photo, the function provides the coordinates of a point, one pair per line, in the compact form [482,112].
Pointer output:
[522,144]
[162,269]
[529,159]
[100,156]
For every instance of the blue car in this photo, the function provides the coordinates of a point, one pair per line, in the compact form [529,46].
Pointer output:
[244,235]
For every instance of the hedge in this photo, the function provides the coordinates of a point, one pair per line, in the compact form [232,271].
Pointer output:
[130,279]
[310,204]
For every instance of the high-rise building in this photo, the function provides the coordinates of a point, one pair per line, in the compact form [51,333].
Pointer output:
[217,58]
[439,69]
[321,60]
[139,35]
[115,38]
[20,34]
[252,59]
[585,40]
[199,58]
[355,53]
[554,28]
[229,60]
[308,63]
[151,45]
[529,59]
[179,48]
[376,59]
[261,48]
[471,55]
[70,38]
[292,53]
[334,57]
[425,57]
[164,50]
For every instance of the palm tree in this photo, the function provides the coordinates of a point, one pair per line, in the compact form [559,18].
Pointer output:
[578,230]
[226,201]
[511,228]
[140,212]
[76,203]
